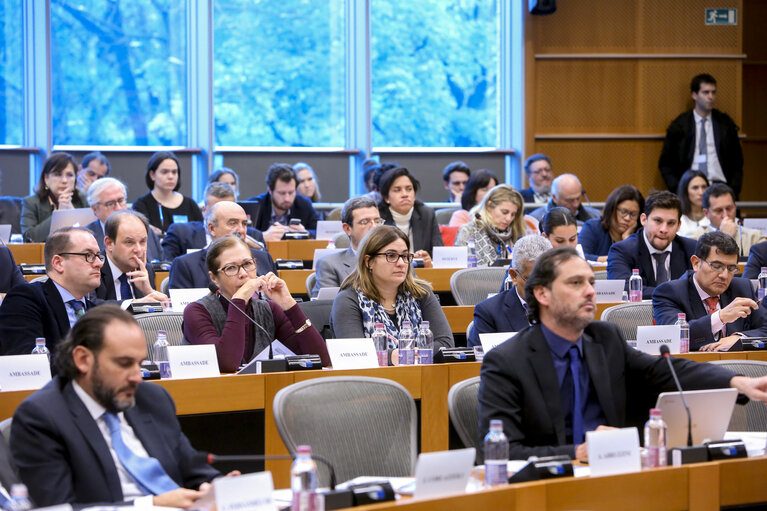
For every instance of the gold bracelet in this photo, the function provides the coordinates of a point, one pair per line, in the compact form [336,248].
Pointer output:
[304,326]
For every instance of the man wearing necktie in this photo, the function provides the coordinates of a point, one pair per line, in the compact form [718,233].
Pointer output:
[97,434]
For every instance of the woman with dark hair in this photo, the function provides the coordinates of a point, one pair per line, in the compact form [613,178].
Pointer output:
[384,290]
[400,208]
[692,186]
[228,176]
[55,190]
[620,219]
[164,205]
[560,227]
[480,182]
[213,320]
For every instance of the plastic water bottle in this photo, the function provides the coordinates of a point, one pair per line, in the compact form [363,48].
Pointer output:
[40,348]
[19,498]
[684,332]
[762,289]
[655,434]
[635,286]
[303,482]
[381,342]
[406,344]
[425,344]
[471,258]
[160,351]
[508,283]
[496,455]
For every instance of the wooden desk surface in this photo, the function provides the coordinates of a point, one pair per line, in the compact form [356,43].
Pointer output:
[27,253]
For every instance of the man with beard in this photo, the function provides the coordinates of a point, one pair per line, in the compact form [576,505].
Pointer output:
[569,374]
[96,434]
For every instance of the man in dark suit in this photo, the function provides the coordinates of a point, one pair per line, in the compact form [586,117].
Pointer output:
[703,139]
[281,204]
[507,311]
[529,382]
[10,274]
[75,440]
[566,192]
[539,174]
[454,177]
[223,219]
[656,250]
[757,258]
[719,308]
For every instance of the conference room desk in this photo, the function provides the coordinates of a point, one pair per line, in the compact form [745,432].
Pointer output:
[294,249]
[27,253]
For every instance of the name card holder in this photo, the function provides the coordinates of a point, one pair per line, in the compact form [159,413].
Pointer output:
[609,291]
[450,257]
[650,338]
[180,298]
[327,229]
[491,340]
[24,372]
[614,451]
[249,492]
[197,361]
[352,353]
[438,474]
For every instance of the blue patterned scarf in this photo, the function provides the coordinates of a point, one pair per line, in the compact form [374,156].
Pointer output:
[406,309]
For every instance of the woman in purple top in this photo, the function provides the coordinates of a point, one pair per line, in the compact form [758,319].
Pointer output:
[212,320]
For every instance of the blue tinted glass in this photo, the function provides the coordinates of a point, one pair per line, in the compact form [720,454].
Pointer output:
[434,67]
[11,73]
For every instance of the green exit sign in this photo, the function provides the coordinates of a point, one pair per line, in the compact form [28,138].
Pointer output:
[721,16]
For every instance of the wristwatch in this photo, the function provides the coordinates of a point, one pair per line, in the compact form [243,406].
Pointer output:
[303,327]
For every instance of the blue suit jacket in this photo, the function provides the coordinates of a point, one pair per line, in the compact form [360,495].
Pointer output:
[528,195]
[10,274]
[153,248]
[302,208]
[500,313]
[63,457]
[189,271]
[675,296]
[595,241]
[181,237]
[757,257]
[632,253]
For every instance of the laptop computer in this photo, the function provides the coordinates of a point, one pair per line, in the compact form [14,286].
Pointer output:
[710,410]
[5,233]
[71,217]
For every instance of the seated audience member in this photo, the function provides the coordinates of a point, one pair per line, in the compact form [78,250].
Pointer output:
[539,174]
[222,219]
[560,228]
[719,307]
[96,434]
[378,171]
[10,273]
[528,384]
[308,184]
[719,207]
[620,219]
[164,205]
[384,290]
[690,192]
[507,311]
[358,215]
[479,183]
[211,320]
[280,204]
[227,176]
[55,190]
[106,196]
[400,208]
[368,169]
[655,249]
[757,258]
[498,224]
[454,177]
[181,238]
[566,192]
[93,167]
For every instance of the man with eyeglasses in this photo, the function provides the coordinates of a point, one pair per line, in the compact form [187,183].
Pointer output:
[720,307]
[358,216]
[539,174]
[566,192]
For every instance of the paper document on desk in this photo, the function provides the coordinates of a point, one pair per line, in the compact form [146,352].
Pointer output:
[277,348]
[756,441]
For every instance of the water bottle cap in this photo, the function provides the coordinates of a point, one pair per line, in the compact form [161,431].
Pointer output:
[496,423]
[304,449]
[162,332]
[424,324]
[656,412]
[407,324]
[681,315]
[40,340]
[764,269]
[19,491]
[635,271]
[379,326]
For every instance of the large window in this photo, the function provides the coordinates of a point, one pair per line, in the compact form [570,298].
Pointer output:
[434,67]
[118,72]
[278,73]
[11,73]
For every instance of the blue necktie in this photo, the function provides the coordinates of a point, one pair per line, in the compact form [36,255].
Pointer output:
[147,472]
[577,411]
[126,293]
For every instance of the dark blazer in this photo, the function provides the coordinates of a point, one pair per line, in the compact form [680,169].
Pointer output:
[149,206]
[584,212]
[181,237]
[757,257]
[34,310]
[632,253]
[528,195]
[106,290]
[62,456]
[675,296]
[302,208]
[189,271]
[500,313]
[594,240]
[332,269]
[153,248]
[10,274]
[36,216]
[518,384]
[679,148]
[424,224]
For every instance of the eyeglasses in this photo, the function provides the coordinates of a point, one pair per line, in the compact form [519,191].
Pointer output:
[633,215]
[367,221]
[232,270]
[90,257]
[112,203]
[541,170]
[720,267]
[392,257]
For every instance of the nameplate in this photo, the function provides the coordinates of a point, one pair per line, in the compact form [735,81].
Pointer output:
[180,298]
[192,250]
[759,224]
[438,474]
[352,353]
[24,372]
[197,361]
[249,492]
[609,291]
[650,338]
[614,451]
[327,293]
[491,340]
[180,219]
[450,257]
[327,229]
[319,253]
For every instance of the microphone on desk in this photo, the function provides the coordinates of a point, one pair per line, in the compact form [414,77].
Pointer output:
[217,291]
[665,353]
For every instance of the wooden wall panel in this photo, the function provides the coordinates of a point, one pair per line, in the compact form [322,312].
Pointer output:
[679,27]
[754,158]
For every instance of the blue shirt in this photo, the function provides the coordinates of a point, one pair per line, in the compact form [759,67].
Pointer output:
[595,241]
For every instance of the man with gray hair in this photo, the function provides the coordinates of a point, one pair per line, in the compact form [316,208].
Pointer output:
[566,192]
[507,311]
[359,215]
